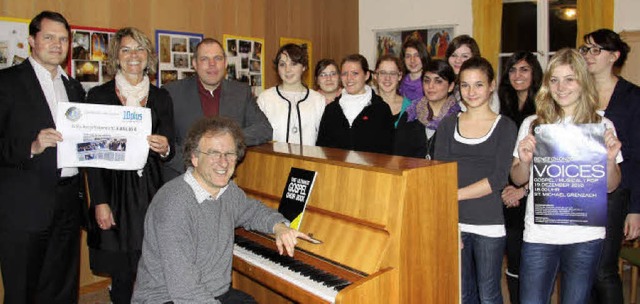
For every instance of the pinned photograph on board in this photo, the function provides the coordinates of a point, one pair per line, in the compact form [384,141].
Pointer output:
[187,74]
[231,71]
[178,44]
[256,80]
[80,46]
[245,46]
[254,66]
[232,47]
[257,50]
[243,77]
[193,42]
[167,76]
[244,63]
[165,48]
[99,44]
[181,61]
[87,70]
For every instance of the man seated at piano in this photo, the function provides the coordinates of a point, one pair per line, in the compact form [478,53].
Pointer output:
[187,249]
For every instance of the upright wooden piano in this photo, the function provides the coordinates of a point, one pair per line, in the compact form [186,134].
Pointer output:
[388,226]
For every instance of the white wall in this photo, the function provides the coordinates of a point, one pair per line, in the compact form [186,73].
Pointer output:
[398,14]
[401,14]
[626,15]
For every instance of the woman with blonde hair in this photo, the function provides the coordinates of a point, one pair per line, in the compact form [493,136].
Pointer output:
[120,198]
[567,96]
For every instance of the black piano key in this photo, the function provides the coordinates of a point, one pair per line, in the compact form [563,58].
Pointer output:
[292,264]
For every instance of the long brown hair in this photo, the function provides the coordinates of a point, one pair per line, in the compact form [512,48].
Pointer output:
[549,111]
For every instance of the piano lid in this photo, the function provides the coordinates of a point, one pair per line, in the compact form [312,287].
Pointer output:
[356,159]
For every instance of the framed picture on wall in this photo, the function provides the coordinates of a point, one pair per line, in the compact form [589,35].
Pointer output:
[305,44]
[436,38]
[87,56]
[14,44]
[175,51]
[245,60]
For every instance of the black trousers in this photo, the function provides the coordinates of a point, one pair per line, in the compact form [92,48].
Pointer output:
[232,296]
[514,225]
[44,266]
[608,286]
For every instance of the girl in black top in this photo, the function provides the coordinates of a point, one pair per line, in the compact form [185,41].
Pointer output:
[358,119]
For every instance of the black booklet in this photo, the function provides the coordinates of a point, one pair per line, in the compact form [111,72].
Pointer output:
[296,195]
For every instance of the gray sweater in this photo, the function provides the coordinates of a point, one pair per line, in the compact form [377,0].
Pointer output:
[188,241]
[488,157]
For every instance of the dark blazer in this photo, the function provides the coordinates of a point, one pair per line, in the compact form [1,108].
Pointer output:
[624,111]
[371,131]
[410,138]
[236,102]
[27,185]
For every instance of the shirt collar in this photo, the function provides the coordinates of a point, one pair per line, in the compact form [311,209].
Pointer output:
[200,193]
[203,89]
[41,71]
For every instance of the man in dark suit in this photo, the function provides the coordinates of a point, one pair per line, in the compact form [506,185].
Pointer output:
[209,94]
[40,205]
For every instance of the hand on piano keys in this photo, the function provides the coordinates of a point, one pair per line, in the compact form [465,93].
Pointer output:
[287,238]
[321,279]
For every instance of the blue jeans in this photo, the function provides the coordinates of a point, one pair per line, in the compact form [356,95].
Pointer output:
[481,268]
[540,263]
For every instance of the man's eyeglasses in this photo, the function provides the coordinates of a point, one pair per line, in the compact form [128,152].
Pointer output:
[217,155]
[595,51]
[328,75]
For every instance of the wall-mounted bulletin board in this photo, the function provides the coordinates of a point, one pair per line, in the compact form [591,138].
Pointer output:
[245,60]
[175,52]
[14,44]
[88,55]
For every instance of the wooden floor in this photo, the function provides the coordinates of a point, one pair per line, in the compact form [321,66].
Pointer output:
[98,293]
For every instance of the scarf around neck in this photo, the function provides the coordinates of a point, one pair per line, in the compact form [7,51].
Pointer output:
[132,94]
[411,89]
[352,105]
[422,111]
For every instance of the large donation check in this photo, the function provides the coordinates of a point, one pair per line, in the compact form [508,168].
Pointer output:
[103,136]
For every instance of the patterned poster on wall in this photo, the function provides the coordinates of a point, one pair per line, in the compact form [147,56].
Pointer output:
[435,38]
[175,52]
[88,55]
[305,44]
[14,44]
[245,61]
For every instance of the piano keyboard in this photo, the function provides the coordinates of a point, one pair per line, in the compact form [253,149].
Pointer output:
[307,277]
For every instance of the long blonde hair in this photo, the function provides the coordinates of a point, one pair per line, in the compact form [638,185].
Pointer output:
[549,111]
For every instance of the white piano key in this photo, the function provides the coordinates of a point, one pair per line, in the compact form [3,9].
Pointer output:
[317,288]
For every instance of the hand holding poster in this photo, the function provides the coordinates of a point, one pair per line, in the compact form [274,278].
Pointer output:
[103,136]
[569,175]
